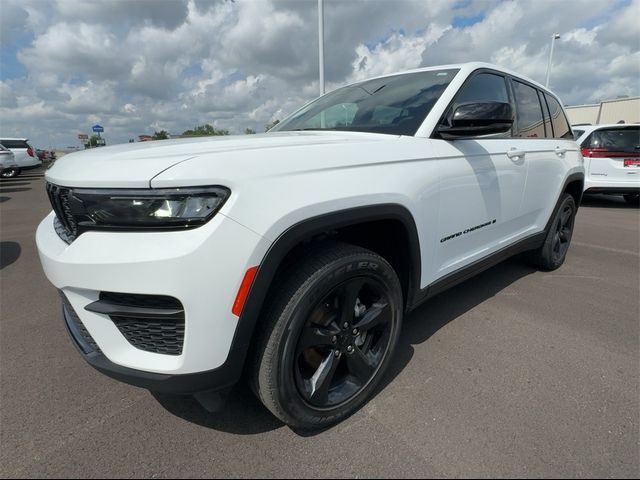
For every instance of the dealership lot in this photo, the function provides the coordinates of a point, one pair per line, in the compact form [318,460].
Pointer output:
[512,373]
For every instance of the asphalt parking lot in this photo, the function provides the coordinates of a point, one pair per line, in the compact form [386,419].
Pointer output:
[515,373]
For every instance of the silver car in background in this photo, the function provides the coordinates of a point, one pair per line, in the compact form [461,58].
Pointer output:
[25,155]
[8,166]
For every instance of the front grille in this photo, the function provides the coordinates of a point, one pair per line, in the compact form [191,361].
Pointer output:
[67,227]
[156,336]
[78,331]
[153,330]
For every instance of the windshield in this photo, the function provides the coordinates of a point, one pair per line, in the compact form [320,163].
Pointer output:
[14,144]
[395,105]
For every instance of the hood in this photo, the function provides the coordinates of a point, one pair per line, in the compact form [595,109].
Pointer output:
[134,165]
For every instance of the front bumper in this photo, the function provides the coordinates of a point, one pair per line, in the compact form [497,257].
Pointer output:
[203,268]
[220,378]
[32,167]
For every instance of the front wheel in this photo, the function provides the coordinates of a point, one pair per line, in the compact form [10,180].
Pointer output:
[329,336]
[552,253]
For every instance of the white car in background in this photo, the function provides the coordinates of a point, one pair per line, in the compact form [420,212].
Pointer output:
[611,159]
[25,156]
[7,162]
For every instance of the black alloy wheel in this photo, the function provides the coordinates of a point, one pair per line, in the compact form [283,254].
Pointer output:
[563,232]
[342,345]
[553,252]
[328,336]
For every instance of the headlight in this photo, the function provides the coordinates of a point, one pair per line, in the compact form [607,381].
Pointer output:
[142,209]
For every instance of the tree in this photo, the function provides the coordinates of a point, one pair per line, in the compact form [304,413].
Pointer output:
[95,141]
[271,125]
[249,131]
[161,135]
[205,130]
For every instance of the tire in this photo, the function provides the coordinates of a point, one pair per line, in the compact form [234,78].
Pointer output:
[632,199]
[318,360]
[10,172]
[552,253]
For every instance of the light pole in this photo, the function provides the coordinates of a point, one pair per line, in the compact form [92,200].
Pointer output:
[321,43]
[554,37]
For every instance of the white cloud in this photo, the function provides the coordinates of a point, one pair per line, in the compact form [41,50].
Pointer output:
[399,52]
[89,97]
[69,49]
[138,66]
[7,97]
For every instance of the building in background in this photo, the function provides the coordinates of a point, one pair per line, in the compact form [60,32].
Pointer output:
[620,110]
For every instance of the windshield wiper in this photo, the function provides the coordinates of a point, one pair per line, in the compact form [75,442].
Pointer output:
[308,129]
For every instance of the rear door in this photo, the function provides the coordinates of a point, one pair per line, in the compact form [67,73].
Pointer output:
[614,153]
[542,131]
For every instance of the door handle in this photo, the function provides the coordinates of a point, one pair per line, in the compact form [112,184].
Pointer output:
[515,154]
[560,151]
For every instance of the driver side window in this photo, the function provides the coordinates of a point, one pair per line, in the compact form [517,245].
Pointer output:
[483,87]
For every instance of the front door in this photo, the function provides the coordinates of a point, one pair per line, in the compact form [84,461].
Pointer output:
[481,186]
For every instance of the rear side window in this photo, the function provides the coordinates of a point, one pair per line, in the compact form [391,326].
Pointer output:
[530,123]
[624,140]
[561,127]
[14,144]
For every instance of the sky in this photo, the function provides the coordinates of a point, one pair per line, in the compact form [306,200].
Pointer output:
[139,66]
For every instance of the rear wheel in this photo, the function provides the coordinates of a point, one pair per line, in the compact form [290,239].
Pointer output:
[329,336]
[10,172]
[632,199]
[552,253]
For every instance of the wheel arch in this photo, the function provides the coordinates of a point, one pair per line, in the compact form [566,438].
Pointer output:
[574,186]
[343,222]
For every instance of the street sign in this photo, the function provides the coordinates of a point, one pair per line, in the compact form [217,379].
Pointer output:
[83,136]
[97,129]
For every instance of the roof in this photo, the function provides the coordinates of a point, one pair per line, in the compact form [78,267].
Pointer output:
[467,68]
[12,138]
[591,128]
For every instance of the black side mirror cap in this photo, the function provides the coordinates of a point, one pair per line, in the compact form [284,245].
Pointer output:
[475,119]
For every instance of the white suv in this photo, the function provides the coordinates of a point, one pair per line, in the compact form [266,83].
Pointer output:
[25,157]
[295,254]
[612,159]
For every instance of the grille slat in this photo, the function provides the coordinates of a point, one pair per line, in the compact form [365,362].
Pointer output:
[156,335]
[59,198]
[72,316]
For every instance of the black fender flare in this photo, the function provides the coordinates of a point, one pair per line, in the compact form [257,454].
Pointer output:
[301,231]
[574,177]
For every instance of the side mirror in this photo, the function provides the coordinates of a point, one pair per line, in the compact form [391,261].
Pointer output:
[475,119]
